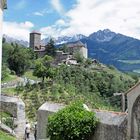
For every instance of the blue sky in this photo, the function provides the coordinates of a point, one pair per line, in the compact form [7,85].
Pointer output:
[69,17]
[40,12]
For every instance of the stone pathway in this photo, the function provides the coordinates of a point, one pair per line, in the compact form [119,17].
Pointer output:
[31,137]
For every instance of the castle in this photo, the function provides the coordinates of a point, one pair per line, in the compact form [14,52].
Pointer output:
[78,47]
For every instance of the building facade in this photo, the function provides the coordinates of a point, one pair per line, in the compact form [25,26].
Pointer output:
[35,40]
[78,47]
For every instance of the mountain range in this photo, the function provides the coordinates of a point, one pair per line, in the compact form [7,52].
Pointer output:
[114,49]
[104,45]
[11,39]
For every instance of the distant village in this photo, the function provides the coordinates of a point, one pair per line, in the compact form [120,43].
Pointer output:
[60,57]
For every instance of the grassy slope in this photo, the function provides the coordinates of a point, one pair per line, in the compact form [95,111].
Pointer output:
[29,74]
[34,97]
[5,136]
[10,78]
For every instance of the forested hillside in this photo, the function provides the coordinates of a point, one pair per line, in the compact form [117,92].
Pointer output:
[94,83]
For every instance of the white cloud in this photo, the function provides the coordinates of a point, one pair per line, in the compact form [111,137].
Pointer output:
[57,6]
[42,12]
[60,22]
[38,14]
[50,31]
[120,16]
[54,30]
[87,16]
[18,30]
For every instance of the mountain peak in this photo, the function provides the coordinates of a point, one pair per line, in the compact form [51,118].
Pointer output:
[105,35]
[65,39]
[11,39]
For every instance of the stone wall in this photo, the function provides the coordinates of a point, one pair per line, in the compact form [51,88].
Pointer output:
[16,108]
[42,117]
[133,99]
[112,126]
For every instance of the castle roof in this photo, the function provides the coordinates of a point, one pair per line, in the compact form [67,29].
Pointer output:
[76,44]
[35,32]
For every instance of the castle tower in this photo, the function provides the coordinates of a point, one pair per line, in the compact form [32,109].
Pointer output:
[35,40]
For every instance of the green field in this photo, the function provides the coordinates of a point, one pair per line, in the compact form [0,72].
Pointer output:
[10,78]
[29,74]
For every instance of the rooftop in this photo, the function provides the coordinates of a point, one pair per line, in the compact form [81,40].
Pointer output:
[76,44]
[35,32]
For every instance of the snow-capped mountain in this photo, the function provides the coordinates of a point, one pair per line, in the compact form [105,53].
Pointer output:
[21,42]
[102,35]
[64,39]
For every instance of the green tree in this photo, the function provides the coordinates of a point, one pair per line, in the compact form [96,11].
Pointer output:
[19,59]
[6,50]
[88,62]
[43,68]
[64,48]
[78,56]
[3,40]
[50,48]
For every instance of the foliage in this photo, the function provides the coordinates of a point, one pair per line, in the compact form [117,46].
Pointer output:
[4,136]
[64,48]
[79,58]
[72,123]
[43,68]
[50,48]
[95,85]
[19,59]
[5,71]
[3,40]
[88,81]
[6,49]
[7,119]
[88,62]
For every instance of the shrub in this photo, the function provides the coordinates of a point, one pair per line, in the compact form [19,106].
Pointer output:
[13,72]
[72,123]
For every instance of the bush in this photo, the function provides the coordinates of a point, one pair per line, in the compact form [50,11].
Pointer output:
[13,72]
[72,123]
[8,121]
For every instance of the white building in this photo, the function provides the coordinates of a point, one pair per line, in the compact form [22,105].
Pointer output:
[78,47]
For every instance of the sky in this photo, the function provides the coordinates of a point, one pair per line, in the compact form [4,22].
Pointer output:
[68,17]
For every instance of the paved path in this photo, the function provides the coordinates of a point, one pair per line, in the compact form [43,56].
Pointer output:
[31,137]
